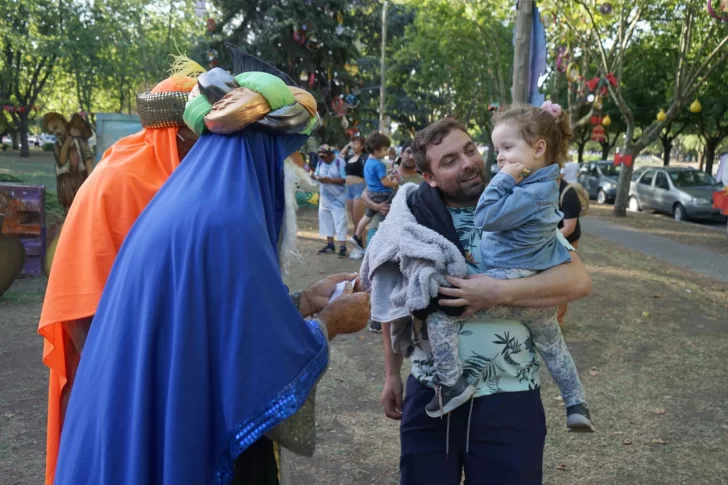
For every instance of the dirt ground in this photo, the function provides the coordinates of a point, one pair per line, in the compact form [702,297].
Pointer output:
[650,342]
[708,235]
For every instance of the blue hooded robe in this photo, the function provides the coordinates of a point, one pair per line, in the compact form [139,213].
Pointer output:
[196,349]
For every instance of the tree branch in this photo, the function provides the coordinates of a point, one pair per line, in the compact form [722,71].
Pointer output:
[698,72]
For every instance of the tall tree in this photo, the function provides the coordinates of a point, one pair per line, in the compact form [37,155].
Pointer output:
[314,42]
[698,50]
[30,40]
[454,60]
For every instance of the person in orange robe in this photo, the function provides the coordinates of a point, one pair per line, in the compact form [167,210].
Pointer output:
[129,174]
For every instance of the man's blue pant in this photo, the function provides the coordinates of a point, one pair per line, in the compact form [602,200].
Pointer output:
[507,434]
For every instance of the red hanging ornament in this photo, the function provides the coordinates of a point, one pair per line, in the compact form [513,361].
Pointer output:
[211,25]
[339,107]
[592,83]
[598,133]
[299,36]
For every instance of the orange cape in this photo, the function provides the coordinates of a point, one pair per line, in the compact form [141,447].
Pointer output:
[106,206]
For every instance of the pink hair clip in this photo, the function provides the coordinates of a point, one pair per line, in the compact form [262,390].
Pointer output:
[551,108]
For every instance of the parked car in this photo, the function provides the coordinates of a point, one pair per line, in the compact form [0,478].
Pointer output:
[47,138]
[685,193]
[600,180]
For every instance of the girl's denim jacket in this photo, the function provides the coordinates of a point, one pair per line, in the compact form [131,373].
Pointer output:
[519,222]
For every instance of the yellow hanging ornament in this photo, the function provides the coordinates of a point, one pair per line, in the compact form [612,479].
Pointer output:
[661,116]
[606,121]
[598,103]
[695,107]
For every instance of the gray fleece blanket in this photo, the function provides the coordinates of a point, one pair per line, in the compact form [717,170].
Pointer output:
[405,263]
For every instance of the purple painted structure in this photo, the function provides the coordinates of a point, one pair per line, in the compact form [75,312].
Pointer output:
[24,209]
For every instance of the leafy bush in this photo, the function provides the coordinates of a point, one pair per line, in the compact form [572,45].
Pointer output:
[47,147]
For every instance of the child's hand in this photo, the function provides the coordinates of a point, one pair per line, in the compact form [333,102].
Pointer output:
[515,170]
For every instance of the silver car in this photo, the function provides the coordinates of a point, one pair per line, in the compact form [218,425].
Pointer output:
[685,193]
[600,180]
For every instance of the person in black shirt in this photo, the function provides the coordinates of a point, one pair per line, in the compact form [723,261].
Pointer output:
[355,157]
[569,226]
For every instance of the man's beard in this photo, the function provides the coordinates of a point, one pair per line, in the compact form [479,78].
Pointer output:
[408,164]
[466,190]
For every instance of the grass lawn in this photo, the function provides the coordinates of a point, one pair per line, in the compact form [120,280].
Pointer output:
[651,344]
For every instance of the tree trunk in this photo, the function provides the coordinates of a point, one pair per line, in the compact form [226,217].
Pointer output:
[23,131]
[625,175]
[710,147]
[580,150]
[667,146]
[16,139]
[606,148]
[383,69]
[521,55]
[701,159]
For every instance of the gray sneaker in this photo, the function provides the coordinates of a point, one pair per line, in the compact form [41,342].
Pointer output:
[375,327]
[578,419]
[449,398]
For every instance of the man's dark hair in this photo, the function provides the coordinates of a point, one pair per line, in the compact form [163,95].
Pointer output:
[376,141]
[406,145]
[432,135]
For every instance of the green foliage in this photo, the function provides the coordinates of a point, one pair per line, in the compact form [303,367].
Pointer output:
[265,29]
[453,60]
[47,147]
[8,178]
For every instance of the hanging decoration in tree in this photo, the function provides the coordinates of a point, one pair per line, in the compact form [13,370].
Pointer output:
[352,67]
[696,107]
[572,72]
[661,116]
[211,25]
[598,103]
[606,121]
[351,101]
[299,36]
[605,8]
[212,59]
[723,8]
[344,123]
[625,159]
[561,58]
[339,107]
[598,133]
[494,106]
[313,45]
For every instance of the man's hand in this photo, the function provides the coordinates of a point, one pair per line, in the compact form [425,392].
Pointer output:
[347,314]
[384,208]
[514,170]
[477,292]
[392,397]
[316,297]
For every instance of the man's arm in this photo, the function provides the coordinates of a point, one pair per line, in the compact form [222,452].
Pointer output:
[393,389]
[560,284]
[382,208]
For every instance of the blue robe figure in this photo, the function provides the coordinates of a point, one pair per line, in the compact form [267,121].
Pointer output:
[196,349]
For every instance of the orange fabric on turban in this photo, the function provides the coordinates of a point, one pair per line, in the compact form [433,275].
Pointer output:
[105,207]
